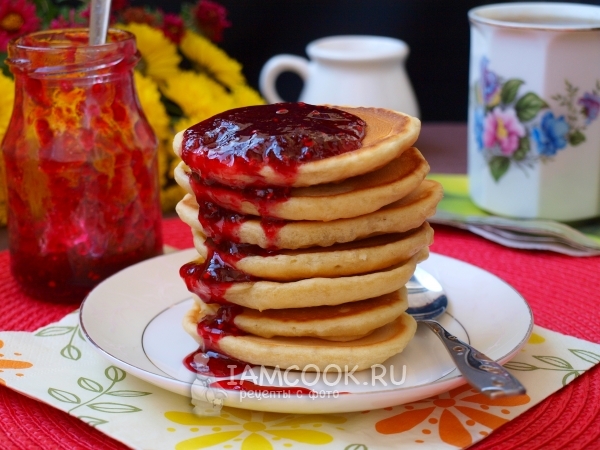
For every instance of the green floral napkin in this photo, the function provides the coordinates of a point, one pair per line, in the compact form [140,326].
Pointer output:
[57,366]
[457,209]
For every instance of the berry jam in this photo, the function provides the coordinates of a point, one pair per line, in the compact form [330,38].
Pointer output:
[213,363]
[263,198]
[81,164]
[223,224]
[231,253]
[281,136]
[209,360]
[210,279]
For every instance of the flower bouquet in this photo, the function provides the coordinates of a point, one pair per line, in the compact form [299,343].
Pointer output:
[183,77]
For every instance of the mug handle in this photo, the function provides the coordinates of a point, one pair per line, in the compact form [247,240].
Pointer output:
[274,67]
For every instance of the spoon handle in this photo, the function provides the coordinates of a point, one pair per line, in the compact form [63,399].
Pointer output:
[483,373]
[99,18]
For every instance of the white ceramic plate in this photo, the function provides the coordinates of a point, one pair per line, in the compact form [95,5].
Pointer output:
[134,320]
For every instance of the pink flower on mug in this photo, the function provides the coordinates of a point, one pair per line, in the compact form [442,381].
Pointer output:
[590,106]
[503,128]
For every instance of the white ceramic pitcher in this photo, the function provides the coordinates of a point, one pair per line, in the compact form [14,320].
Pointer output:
[347,70]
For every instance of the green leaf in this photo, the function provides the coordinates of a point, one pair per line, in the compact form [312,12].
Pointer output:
[115,374]
[89,385]
[576,137]
[64,396]
[509,90]
[524,147]
[126,393]
[356,447]
[515,365]
[586,355]
[499,166]
[110,407]
[528,106]
[80,334]
[54,331]
[554,361]
[4,69]
[569,376]
[93,421]
[71,352]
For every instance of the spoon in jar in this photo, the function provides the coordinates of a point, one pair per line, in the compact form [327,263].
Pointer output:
[428,301]
[99,15]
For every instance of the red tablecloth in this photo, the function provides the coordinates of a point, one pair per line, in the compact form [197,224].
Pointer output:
[562,291]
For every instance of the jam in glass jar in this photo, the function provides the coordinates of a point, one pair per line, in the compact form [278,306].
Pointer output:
[81,164]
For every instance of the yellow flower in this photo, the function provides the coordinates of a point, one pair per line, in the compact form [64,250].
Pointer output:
[154,109]
[244,95]
[210,59]
[7,98]
[197,95]
[160,59]
[253,429]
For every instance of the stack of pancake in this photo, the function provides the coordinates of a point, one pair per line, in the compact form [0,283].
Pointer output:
[314,277]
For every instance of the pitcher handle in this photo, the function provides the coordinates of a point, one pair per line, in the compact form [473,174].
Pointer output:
[274,67]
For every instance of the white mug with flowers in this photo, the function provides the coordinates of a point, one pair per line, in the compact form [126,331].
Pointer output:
[533,134]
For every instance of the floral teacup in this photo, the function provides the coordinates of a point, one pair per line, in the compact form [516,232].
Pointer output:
[534,137]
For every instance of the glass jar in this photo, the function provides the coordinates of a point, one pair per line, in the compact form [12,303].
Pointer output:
[81,164]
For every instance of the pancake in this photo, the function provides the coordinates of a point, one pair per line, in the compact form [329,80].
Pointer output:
[262,295]
[351,258]
[353,197]
[308,352]
[403,215]
[349,319]
[388,135]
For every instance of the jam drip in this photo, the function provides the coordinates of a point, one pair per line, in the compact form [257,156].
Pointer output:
[281,136]
[212,363]
[231,252]
[263,198]
[209,360]
[210,279]
[220,223]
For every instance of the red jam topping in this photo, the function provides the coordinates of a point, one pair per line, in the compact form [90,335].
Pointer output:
[213,328]
[282,136]
[212,363]
[210,279]
[220,223]
[264,198]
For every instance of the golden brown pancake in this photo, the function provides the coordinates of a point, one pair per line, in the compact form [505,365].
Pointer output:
[350,320]
[307,352]
[388,135]
[351,258]
[353,197]
[309,292]
[403,215]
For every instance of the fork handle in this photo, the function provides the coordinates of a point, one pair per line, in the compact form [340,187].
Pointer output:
[483,373]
